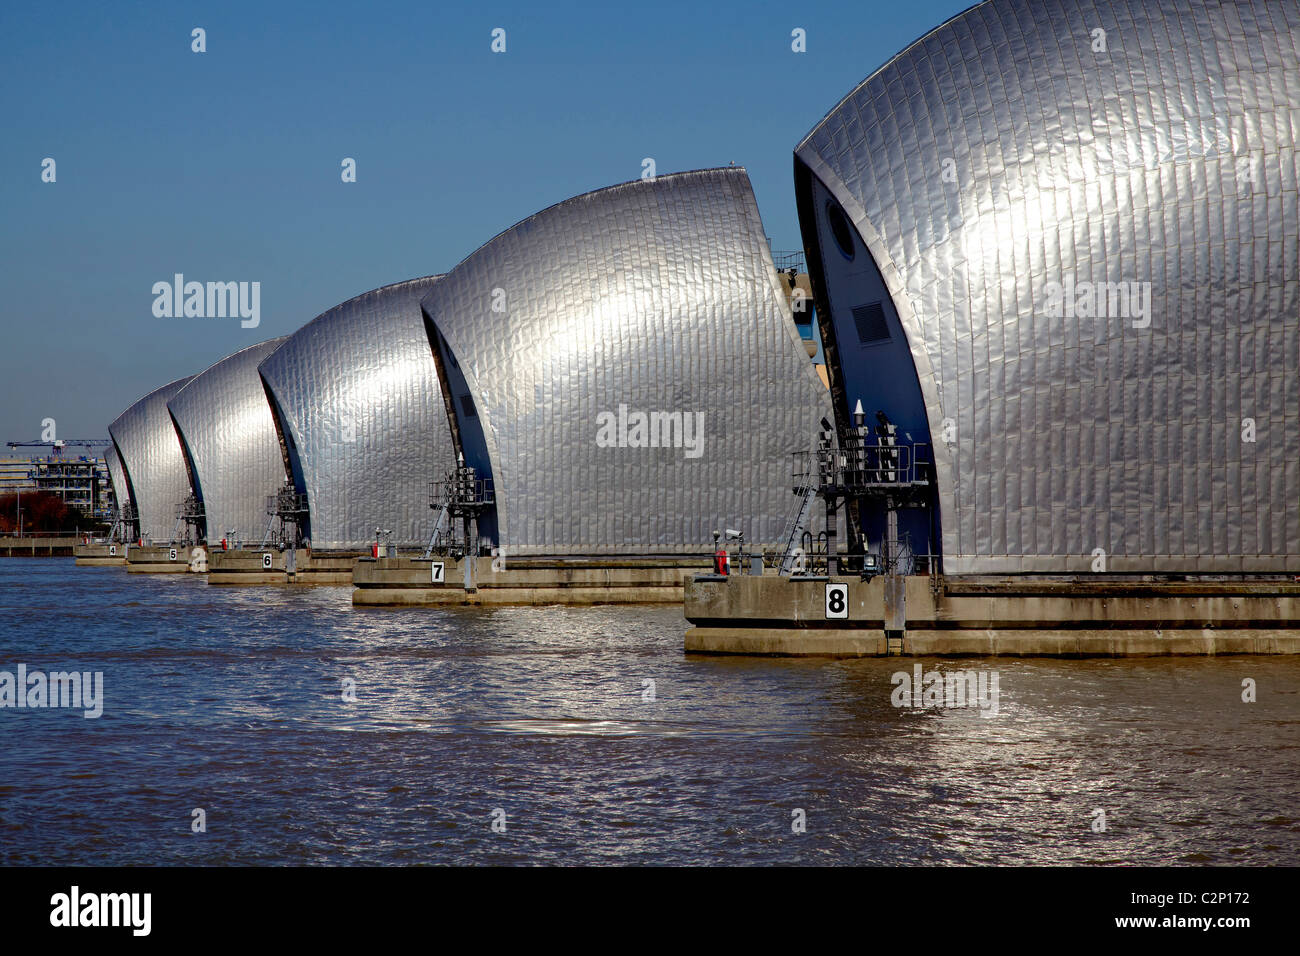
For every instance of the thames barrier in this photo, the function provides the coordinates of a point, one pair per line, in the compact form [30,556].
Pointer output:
[1032,397]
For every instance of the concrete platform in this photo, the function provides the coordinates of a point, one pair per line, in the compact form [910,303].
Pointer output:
[99,555]
[248,566]
[921,616]
[411,581]
[12,546]
[164,559]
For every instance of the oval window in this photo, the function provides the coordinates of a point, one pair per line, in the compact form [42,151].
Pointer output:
[840,229]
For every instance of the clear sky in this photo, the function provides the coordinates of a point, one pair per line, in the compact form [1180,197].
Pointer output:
[225,165]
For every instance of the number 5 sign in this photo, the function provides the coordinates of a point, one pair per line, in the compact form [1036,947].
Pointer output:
[837,601]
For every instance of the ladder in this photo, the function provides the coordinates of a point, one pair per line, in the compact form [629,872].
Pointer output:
[439,530]
[798,525]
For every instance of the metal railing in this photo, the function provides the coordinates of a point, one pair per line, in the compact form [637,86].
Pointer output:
[458,500]
[191,509]
[462,493]
[286,504]
[786,261]
[811,559]
[862,464]
[286,511]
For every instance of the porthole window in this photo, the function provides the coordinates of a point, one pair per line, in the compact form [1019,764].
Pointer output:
[840,230]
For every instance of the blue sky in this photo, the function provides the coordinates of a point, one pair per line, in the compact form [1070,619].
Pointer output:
[225,165]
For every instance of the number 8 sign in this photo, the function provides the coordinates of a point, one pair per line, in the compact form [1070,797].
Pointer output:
[837,601]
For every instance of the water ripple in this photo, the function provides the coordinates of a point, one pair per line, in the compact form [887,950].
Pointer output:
[310,731]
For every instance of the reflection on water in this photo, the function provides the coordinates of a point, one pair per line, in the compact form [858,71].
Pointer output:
[601,741]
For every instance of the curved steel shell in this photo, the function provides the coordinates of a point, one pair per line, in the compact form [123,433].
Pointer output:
[225,423]
[1086,217]
[152,461]
[360,409]
[572,329]
[117,476]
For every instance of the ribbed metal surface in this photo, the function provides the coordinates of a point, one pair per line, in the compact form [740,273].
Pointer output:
[1132,163]
[117,477]
[151,456]
[358,394]
[659,296]
[225,421]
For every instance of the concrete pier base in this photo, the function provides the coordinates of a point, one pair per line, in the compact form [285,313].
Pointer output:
[248,566]
[160,559]
[99,555]
[926,616]
[29,547]
[441,581]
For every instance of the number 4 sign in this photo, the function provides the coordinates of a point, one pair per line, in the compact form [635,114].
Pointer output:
[837,601]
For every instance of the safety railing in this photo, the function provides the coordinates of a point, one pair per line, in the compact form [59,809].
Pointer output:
[286,504]
[462,493]
[861,464]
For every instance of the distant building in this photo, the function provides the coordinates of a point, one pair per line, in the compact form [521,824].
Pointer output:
[15,474]
[80,481]
[74,479]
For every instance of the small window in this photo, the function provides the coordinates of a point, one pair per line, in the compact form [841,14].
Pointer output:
[870,320]
[840,230]
[467,406]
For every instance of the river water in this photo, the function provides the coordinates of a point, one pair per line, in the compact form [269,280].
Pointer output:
[584,735]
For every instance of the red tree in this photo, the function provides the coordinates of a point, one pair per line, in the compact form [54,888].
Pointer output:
[42,512]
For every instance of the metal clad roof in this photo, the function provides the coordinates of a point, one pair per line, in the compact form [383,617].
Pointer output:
[1167,157]
[117,476]
[659,296]
[225,421]
[152,459]
[358,392]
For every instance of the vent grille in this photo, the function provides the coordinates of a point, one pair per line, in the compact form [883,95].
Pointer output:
[870,320]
